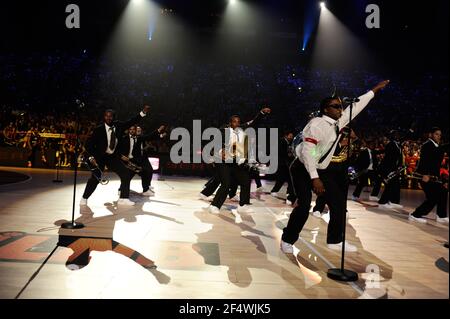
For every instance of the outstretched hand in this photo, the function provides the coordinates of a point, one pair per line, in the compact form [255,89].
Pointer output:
[161,129]
[380,86]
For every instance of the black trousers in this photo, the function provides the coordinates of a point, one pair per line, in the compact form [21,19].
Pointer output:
[391,192]
[283,176]
[436,195]
[226,173]
[115,165]
[363,181]
[336,188]
[146,174]
[255,176]
[320,204]
[214,182]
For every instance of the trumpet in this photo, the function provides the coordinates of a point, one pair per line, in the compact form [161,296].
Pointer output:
[433,179]
[394,174]
[96,171]
[130,165]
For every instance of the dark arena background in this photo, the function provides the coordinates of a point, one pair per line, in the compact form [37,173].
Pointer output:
[63,63]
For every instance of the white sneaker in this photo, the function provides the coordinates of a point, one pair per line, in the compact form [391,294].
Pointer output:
[354,198]
[317,214]
[374,198]
[395,205]
[417,219]
[125,202]
[286,248]
[348,247]
[260,190]
[274,194]
[214,210]
[235,198]
[83,201]
[202,196]
[245,209]
[148,193]
[443,220]
[288,202]
[386,206]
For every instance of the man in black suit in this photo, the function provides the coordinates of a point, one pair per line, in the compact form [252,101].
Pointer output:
[131,147]
[285,158]
[103,151]
[392,161]
[431,156]
[366,165]
[232,164]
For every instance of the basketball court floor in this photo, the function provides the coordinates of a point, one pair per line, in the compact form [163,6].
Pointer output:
[199,255]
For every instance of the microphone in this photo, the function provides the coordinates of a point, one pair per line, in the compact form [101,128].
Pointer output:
[350,99]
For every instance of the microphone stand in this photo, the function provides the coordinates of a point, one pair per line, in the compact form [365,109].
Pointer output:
[341,273]
[72,224]
[58,163]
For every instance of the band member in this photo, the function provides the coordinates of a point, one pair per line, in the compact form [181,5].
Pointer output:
[366,166]
[131,148]
[235,153]
[102,150]
[436,191]
[336,170]
[376,187]
[392,161]
[285,158]
[308,170]
[214,182]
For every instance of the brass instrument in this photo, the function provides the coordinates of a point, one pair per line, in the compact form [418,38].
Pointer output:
[394,174]
[130,165]
[433,179]
[96,171]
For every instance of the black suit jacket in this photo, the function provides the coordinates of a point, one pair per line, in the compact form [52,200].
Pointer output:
[430,159]
[124,144]
[97,143]
[363,160]
[393,159]
[285,156]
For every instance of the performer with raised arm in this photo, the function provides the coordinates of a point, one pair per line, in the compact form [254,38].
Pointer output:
[131,150]
[314,153]
[102,150]
[436,189]
[233,157]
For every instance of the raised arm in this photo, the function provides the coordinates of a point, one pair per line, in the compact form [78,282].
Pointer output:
[263,112]
[359,106]
[136,119]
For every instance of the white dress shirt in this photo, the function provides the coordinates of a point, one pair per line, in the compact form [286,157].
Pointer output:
[370,168]
[130,153]
[108,136]
[237,136]
[320,134]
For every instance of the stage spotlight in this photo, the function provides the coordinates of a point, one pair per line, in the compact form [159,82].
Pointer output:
[322,4]
[232,1]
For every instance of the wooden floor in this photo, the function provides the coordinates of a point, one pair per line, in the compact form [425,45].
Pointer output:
[199,255]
